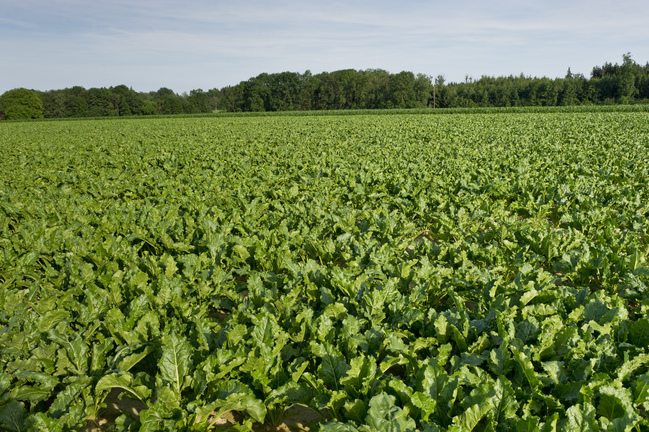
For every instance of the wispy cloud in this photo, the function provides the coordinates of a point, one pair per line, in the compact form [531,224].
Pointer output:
[186,45]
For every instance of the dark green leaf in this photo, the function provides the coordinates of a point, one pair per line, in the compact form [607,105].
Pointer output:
[384,416]
[67,396]
[526,366]
[332,369]
[13,415]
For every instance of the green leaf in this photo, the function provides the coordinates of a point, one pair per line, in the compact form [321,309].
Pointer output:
[156,419]
[459,339]
[442,329]
[550,424]
[360,376]
[336,426]
[241,251]
[167,402]
[596,311]
[98,359]
[31,393]
[259,369]
[5,385]
[431,427]
[227,369]
[76,351]
[300,367]
[641,390]
[67,396]
[242,403]
[50,319]
[390,361]
[333,368]
[625,423]
[472,415]
[639,333]
[236,335]
[581,418]
[526,366]
[384,416]
[356,410]
[500,359]
[45,381]
[169,264]
[335,403]
[401,390]
[234,396]
[615,401]
[290,394]
[41,422]
[528,423]
[126,382]
[264,332]
[504,400]
[426,404]
[433,380]
[13,415]
[126,363]
[176,361]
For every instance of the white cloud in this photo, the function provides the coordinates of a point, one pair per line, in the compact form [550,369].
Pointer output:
[149,44]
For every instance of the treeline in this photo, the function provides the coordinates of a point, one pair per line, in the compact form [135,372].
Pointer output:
[625,83]
[124,101]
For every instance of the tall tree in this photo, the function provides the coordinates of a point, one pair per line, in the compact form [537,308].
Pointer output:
[21,103]
[402,90]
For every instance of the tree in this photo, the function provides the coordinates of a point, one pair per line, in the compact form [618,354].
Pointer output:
[442,95]
[402,90]
[21,103]
[568,93]
[423,90]
[569,74]
[99,102]
[199,101]
[627,89]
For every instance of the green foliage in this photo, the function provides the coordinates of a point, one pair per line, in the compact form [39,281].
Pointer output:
[482,271]
[625,85]
[20,103]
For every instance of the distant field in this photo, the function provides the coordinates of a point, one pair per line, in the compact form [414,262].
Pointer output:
[466,272]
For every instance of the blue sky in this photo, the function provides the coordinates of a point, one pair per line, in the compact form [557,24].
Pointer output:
[191,44]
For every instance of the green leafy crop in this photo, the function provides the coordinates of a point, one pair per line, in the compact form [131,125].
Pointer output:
[483,272]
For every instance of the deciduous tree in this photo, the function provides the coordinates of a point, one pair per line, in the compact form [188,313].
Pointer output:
[21,103]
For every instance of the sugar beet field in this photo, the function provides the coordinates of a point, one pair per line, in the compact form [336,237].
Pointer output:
[461,272]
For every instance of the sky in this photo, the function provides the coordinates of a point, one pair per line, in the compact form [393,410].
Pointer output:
[191,44]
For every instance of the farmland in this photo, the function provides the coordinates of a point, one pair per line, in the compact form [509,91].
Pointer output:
[464,272]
